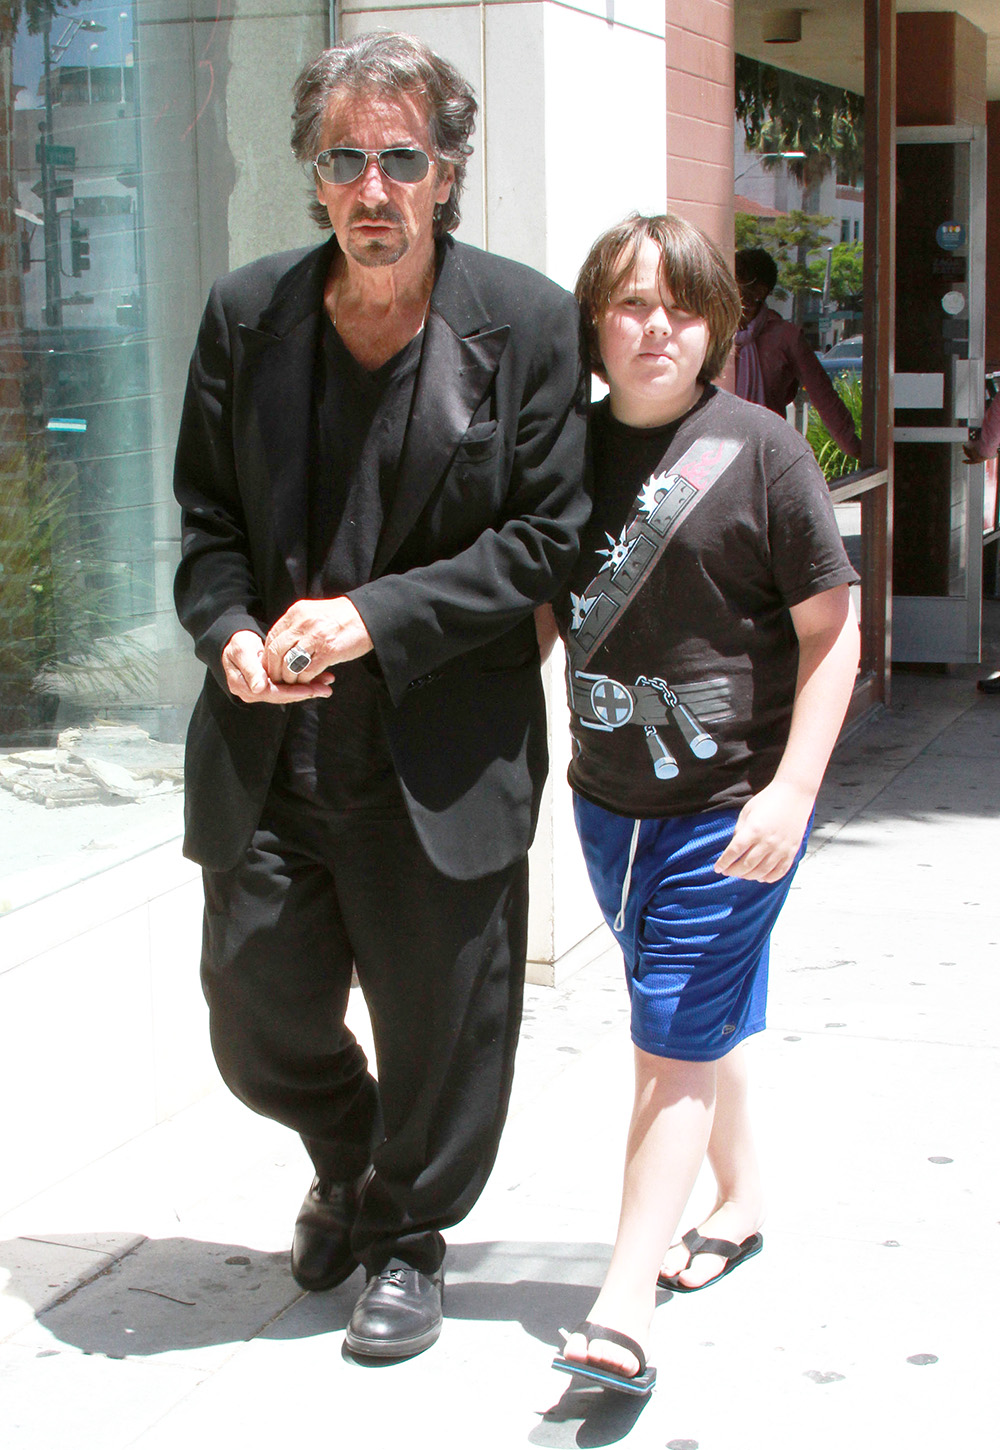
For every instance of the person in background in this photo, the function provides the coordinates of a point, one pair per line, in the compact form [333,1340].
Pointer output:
[982,449]
[986,443]
[711,651]
[774,359]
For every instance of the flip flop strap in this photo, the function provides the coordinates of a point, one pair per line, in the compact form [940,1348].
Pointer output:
[695,1244]
[598,1331]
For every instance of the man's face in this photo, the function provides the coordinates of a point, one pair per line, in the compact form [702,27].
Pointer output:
[377,221]
[752,297]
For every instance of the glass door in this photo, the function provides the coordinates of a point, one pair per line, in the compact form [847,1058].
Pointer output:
[940,264]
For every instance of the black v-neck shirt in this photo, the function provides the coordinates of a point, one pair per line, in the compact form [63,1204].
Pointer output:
[359,426]
[334,753]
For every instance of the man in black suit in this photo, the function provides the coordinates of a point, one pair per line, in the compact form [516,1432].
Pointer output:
[380,468]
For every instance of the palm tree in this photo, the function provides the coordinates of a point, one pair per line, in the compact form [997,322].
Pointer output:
[781,112]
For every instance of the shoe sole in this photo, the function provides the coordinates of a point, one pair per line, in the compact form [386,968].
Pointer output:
[391,1348]
[664,1281]
[640,1384]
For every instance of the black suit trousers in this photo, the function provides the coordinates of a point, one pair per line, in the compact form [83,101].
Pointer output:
[441,966]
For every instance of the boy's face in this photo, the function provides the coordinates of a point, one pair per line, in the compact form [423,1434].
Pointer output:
[652,350]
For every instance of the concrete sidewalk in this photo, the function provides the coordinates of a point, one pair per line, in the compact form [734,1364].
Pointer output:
[149,1302]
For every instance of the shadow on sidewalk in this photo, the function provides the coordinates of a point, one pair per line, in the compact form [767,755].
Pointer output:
[170,1295]
[935,750]
[588,1417]
[180,1293]
[161,1295]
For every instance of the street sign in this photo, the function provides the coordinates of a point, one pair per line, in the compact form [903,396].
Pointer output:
[64,187]
[56,155]
[102,205]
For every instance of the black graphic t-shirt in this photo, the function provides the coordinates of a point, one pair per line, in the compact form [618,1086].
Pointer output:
[681,654]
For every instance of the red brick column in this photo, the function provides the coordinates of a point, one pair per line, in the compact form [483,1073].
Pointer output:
[700,112]
[941,81]
[940,70]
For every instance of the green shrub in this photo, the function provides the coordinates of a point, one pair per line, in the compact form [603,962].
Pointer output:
[55,606]
[833,462]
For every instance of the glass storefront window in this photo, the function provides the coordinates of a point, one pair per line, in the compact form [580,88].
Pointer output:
[146,152]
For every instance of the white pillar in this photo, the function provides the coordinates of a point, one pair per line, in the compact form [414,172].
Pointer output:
[571,137]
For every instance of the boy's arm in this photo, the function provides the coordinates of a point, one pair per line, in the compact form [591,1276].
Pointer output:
[771,825]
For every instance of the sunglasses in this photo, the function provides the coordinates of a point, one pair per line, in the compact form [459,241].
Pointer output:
[340,165]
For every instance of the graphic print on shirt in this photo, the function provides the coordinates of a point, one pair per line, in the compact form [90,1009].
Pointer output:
[665,500]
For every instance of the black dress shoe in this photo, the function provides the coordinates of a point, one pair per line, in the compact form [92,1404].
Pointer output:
[321,1243]
[398,1313]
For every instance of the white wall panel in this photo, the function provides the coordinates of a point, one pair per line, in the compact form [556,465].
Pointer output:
[516,160]
[605,132]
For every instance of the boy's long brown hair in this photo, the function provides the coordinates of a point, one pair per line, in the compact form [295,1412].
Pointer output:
[691,267]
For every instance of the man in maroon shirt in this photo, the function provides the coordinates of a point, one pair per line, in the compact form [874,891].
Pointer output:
[773,358]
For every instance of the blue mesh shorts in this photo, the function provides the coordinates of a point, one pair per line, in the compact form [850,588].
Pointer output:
[695,943]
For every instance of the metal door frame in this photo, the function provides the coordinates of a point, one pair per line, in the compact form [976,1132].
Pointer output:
[926,628]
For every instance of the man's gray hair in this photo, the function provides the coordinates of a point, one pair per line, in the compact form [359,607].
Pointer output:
[389,64]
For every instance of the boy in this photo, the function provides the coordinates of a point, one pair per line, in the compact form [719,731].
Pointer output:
[711,654]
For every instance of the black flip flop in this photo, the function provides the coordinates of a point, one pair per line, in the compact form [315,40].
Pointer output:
[734,1254]
[638,1384]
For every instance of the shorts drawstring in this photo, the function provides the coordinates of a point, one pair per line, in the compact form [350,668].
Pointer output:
[627,883]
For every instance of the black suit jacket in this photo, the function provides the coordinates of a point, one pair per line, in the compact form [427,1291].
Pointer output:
[484,526]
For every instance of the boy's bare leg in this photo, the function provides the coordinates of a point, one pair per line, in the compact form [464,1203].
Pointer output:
[668,1136]
[739,1204]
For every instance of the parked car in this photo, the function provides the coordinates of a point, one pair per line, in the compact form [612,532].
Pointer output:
[843,357]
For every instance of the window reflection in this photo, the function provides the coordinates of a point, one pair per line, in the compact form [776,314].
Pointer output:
[84,720]
[799,197]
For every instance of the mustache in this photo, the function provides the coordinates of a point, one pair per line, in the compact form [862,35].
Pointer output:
[384,213]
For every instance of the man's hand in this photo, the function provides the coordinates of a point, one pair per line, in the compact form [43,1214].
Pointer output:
[768,834]
[248,679]
[331,630]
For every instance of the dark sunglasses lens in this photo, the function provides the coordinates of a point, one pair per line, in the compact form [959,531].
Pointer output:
[402,163]
[341,165]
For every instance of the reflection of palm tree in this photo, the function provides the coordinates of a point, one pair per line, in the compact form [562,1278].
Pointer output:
[782,111]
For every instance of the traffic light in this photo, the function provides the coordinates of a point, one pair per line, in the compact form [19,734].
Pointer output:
[79,248]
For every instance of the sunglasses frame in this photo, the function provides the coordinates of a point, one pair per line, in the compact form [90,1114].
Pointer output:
[368,155]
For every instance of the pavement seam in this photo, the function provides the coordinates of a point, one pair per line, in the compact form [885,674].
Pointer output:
[85,1280]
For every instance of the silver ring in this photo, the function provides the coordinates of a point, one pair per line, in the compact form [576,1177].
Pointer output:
[297,659]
